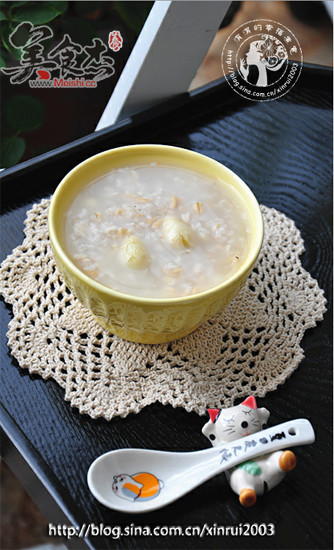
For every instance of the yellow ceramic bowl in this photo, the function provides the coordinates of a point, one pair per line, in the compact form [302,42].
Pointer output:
[141,319]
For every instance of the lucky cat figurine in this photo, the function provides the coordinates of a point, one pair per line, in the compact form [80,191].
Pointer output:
[250,478]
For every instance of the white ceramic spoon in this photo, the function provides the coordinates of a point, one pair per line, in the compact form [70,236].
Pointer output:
[179,473]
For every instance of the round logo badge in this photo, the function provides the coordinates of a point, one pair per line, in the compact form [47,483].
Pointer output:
[256,60]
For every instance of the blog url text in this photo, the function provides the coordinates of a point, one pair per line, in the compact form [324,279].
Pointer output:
[116,532]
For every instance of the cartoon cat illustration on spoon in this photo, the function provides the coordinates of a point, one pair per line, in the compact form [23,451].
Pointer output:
[137,487]
[253,477]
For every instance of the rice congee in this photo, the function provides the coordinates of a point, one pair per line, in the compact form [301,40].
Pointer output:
[157,231]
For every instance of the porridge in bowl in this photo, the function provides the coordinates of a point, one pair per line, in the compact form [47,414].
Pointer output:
[158,231]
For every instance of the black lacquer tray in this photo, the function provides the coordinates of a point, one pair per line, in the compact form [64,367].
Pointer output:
[283,150]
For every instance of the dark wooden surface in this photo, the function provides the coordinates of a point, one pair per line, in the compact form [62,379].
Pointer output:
[283,150]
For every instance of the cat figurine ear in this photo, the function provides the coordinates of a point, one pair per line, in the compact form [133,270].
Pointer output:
[213,413]
[250,402]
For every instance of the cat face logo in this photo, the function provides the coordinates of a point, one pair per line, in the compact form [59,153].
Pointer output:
[137,487]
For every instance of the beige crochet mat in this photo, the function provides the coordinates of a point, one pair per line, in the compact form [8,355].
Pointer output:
[250,348]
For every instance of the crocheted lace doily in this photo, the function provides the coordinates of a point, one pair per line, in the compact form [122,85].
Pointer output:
[250,348]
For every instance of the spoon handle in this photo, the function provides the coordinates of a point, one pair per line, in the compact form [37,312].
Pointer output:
[288,434]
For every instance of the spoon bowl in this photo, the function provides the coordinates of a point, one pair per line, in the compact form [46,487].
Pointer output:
[141,480]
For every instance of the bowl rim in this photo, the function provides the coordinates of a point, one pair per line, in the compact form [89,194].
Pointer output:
[58,247]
